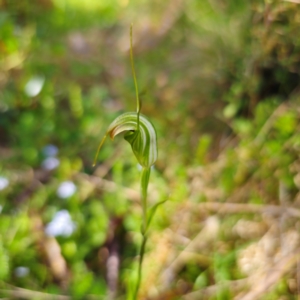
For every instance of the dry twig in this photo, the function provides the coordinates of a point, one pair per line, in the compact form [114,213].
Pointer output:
[233,208]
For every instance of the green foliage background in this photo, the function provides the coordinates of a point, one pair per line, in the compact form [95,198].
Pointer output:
[220,82]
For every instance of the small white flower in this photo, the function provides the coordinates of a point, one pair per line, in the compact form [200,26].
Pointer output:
[50,150]
[34,86]
[21,271]
[66,189]
[3,183]
[61,224]
[50,163]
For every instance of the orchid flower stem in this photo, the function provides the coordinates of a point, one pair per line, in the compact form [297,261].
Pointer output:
[144,188]
[142,252]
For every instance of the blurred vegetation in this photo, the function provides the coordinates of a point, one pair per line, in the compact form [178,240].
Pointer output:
[220,82]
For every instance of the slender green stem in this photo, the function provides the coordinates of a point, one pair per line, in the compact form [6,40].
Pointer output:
[142,252]
[144,188]
[138,102]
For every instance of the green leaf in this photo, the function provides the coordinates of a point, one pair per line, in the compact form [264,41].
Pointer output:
[152,211]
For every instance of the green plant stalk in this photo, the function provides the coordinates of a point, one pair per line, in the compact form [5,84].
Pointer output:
[145,176]
[141,258]
[144,189]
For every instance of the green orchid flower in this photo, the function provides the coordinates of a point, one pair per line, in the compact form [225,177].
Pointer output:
[141,135]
